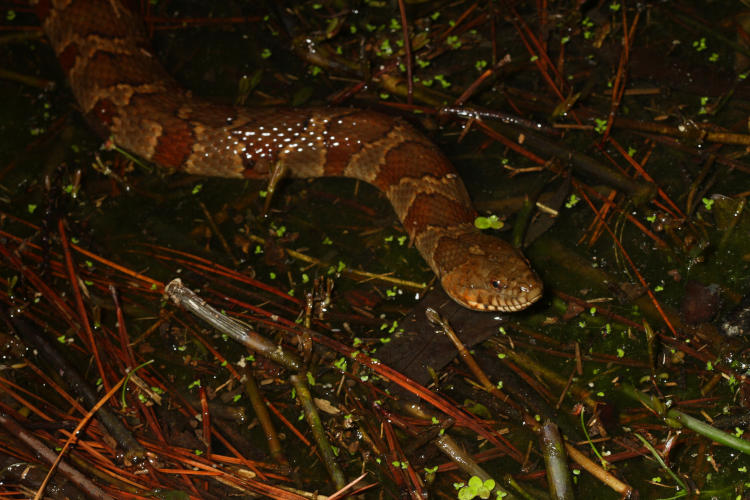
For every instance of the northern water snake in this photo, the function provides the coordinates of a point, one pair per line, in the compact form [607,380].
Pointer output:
[127,95]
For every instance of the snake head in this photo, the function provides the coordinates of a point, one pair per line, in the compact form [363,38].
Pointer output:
[491,276]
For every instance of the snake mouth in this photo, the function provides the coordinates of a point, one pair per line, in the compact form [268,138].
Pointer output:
[492,303]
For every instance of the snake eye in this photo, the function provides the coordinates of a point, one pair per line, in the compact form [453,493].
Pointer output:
[497,284]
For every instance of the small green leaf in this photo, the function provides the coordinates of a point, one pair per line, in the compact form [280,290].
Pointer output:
[572,201]
[489,222]
[340,364]
[453,42]
[442,80]
[475,482]
[600,125]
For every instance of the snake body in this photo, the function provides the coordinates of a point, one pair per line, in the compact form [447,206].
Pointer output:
[127,95]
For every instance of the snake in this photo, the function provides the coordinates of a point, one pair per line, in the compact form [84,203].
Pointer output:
[128,97]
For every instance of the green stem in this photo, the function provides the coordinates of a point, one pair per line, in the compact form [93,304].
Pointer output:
[678,419]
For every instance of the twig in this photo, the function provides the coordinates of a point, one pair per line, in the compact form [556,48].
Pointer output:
[53,458]
[316,426]
[187,299]
[261,412]
[347,271]
[465,462]
[134,452]
[676,418]
[595,470]
[558,474]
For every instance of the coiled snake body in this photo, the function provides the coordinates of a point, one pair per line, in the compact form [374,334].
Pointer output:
[127,95]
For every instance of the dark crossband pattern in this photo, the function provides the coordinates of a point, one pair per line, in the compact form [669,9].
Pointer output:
[127,95]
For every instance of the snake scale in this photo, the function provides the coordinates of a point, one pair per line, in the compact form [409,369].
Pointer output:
[127,95]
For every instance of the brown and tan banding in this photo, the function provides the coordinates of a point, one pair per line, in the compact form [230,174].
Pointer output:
[127,95]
